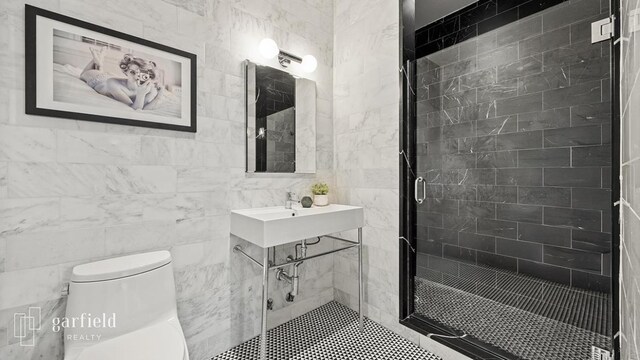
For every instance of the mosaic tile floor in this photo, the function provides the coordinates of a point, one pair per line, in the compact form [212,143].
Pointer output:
[330,332]
[525,334]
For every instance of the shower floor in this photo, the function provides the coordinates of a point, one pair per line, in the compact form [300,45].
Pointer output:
[527,329]
[330,332]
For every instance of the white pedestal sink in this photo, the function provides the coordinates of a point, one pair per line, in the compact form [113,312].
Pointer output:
[271,226]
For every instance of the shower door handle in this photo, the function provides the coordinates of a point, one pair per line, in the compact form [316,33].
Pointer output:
[420,200]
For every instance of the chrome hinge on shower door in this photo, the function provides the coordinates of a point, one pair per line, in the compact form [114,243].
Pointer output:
[602,30]
[600,354]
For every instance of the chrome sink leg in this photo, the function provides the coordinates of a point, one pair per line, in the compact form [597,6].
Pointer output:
[360,287]
[265,301]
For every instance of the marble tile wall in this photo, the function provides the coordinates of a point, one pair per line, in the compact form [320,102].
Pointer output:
[366,126]
[630,182]
[73,191]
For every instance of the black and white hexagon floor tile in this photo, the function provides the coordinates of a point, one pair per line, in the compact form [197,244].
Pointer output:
[329,332]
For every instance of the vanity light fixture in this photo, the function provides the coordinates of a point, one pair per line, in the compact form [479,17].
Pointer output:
[269,49]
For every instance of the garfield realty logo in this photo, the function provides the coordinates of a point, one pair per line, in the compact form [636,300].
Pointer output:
[26,324]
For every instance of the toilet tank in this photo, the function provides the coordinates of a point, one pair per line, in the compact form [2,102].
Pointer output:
[125,293]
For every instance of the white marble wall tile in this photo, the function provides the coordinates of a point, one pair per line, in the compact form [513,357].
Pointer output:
[27,144]
[140,179]
[139,237]
[4,170]
[20,215]
[157,150]
[37,249]
[202,179]
[29,286]
[104,210]
[27,179]
[98,148]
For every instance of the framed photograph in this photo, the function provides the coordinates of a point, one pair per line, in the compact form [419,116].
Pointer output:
[81,71]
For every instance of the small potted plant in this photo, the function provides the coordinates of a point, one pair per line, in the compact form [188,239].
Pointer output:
[320,191]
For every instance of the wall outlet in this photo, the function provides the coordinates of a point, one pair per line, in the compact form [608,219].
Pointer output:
[600,354]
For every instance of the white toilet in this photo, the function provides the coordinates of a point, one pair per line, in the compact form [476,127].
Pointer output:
[139,289]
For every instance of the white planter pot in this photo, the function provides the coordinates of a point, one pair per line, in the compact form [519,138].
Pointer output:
[320,200]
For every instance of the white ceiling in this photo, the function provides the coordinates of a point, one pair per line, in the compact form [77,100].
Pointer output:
[428,11]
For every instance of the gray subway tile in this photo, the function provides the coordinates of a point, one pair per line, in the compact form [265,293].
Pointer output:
[545,271]
[458,161]
[501,228]
[573,177]
[443,236]
[588,114]
[459,68]
[596,199]
[519,249]
[519,104]
[498,261]
[553,78]
[521,213]
[459,192]
[463,129]
[591,155]
[498,194]
[499,125]
[477,144]
[497,159]
[523,67]
[585,93]
[480,209]
[575,259]
[478,111]
[549,196]
[522,177]
[520,140]
[498,56]
[544,234]
[547,41]
[591,70]
[569,12]
[442,265]
[478,78]
[575,136]
[557,157]
[520,30]
[476,176]
[548,119]
[454,100]
[576,218]
[593,241]
[442,206]
[571,54]
[477,241]
[591,281]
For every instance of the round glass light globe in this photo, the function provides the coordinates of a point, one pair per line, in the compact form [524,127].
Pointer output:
[268,48]
[309,63]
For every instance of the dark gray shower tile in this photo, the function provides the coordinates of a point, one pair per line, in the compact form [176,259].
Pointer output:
[606,134]
[521,140]
[478,78]
[501,228]
[575,136]
[558,157]
[459,223]
[552,78]
[591,281]
[477,242]
[444,117]
[585,93]
[522,213]
[429,247]
[519,104]
[591,156]
[544,234]
[519,249]
[443,27]
[573,177]
[606,177]
[497,159]
[548,119]
[522,177]
[422,260]
[575,259]
[458,253]
[497,91]
[444,57]
[442,206]
[459,192]
[593,241]
[463,129]
[549,196]
[575,218]
[523,67]
[597,199]
[544,271]
[588,114]
[499,125]
[497,261]
[520,30]
[477,144]
[443,236]
[477,112]
[496,57]
[427,219]
[547,41]
[434,191]
[570,12]
[592,70]
[571,54]
[458,161]
[443,265]
[458,99]
[480,209]
[459,68]
[429,105]
[476,176]
[483,10]
[498,194]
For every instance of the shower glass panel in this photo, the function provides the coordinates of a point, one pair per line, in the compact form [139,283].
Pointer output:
[513,143]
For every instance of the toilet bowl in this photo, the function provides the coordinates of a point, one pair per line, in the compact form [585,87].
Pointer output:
[124,309]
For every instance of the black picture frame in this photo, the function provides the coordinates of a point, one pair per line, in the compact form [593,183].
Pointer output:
[31,105]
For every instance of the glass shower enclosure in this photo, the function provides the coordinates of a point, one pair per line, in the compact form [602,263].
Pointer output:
[507,152]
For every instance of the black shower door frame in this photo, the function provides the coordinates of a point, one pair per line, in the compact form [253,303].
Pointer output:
[469,346]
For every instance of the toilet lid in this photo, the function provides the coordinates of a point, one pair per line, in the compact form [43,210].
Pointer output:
[157,342]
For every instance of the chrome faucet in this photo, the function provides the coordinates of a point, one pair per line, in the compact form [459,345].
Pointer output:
[291,198]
